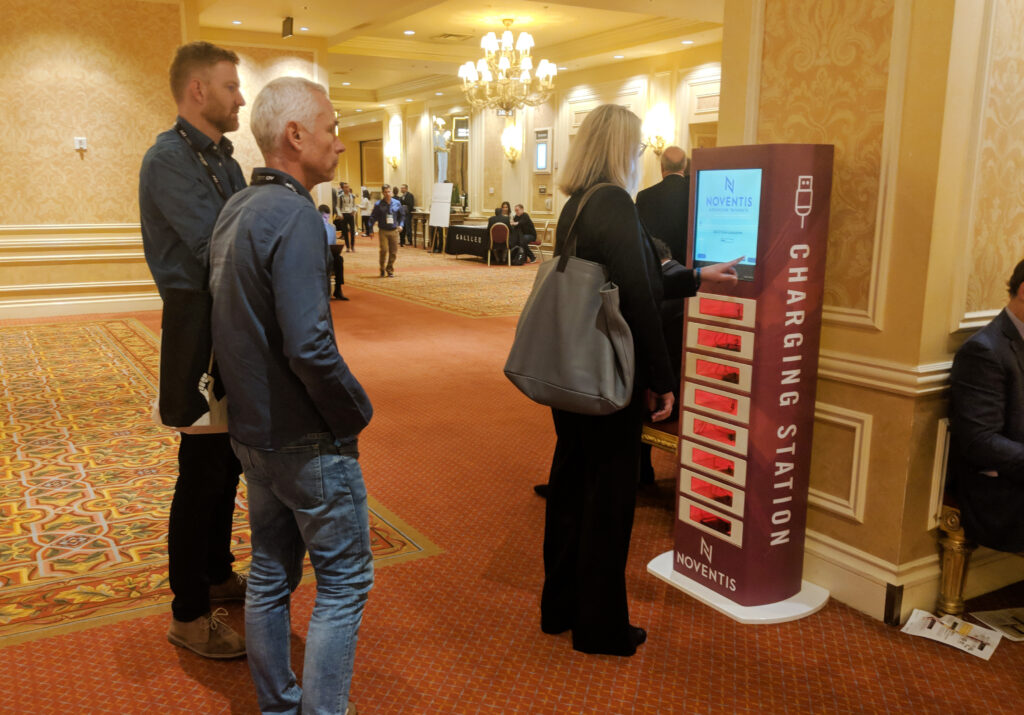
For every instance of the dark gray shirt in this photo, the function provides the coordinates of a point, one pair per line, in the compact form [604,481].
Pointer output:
[178,205]
[272,328]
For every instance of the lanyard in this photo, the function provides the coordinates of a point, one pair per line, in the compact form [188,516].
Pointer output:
[260,178]
[202,160]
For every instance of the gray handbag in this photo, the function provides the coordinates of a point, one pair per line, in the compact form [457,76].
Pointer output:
[573,350]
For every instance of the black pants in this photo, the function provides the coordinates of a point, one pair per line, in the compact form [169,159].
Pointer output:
[337,267]
[366,225]
[348,230]
[199,535]
[587,529]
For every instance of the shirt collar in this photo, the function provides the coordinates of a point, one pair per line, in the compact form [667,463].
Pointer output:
[205,143]
[1016,322]
[299,188]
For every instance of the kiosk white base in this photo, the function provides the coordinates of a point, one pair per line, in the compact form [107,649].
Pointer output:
[811,598]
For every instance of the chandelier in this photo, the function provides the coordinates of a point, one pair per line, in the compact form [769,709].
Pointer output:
[504,78]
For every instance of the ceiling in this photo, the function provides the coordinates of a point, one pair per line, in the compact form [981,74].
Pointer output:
[372,61]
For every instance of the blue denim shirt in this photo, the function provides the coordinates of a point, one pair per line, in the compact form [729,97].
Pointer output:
[380,212]
[178,205]
[272,328]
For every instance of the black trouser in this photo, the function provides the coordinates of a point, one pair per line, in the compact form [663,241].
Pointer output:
[348,230]
[337,267]
[199,534]
[587,528]
[366,225]
[524,243]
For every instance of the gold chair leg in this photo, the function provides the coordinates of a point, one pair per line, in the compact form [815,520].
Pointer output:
[956,553]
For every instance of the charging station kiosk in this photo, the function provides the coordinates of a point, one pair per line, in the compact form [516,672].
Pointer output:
[750,359]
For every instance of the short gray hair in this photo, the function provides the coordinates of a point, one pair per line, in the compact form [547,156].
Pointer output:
[285,99]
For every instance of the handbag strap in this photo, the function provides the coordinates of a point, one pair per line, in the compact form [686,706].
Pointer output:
[570,242]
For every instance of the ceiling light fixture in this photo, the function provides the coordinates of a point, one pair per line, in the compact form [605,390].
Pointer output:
[409,32]
[618,57]
[359,110]
[236,22]
[438,94]
[346,84]
[502,78]
[303,29]
[686,42]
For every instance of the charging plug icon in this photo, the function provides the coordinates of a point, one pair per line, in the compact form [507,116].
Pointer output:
[804,197]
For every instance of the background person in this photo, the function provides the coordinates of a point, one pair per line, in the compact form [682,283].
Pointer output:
[296,410]
[387,217]
[365,207]
[334,255]
[665,207]
[523,232]
[347,212]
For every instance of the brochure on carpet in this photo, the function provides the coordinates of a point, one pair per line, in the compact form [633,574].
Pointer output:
[1008,621]
[976,640]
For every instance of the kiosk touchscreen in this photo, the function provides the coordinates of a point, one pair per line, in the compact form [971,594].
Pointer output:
[727,214]
[750,357]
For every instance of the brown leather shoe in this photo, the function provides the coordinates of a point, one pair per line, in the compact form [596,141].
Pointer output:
[207,636]
[232,589]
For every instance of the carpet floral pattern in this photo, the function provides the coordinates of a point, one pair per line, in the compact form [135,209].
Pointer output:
[86,478]
[465,286]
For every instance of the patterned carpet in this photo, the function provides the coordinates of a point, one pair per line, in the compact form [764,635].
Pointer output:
[87,479]
[465,286]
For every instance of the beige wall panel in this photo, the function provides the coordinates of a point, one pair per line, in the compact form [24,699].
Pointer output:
[348,163]
[494,158]
[892,415]
[832,458]
[918,539]
[997,240]
[257,66]
[824,75]
[92,68]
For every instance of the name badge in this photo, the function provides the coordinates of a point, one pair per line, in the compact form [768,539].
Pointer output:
[391,220]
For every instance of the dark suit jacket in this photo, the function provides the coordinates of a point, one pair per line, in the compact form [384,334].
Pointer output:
[665,211]
[986,415]
[679,284]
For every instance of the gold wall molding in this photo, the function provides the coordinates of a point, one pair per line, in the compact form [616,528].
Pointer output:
[754,60]
[850,505]
[884,375]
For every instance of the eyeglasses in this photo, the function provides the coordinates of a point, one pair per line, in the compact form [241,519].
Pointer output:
[643,148]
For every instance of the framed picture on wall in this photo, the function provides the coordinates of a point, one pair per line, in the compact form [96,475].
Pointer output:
[460,129]
[371,160]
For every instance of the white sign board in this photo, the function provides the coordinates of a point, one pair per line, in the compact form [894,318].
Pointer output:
[440,205]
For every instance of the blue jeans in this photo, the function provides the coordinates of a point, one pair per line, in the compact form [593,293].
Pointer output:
[307,496]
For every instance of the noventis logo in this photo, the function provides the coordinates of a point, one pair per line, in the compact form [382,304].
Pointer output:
[730,185]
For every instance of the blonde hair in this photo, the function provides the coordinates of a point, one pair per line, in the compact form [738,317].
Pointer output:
[606,148]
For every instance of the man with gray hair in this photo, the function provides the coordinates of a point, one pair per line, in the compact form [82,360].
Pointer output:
[295,410]
[665,207]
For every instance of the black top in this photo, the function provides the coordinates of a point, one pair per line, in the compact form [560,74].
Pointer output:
[524,224]
[409,201]
[609,232]
[665,211]
[498,219]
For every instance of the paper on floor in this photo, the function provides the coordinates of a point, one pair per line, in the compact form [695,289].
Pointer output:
[976,640]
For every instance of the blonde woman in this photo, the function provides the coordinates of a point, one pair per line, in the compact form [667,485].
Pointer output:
[591,491]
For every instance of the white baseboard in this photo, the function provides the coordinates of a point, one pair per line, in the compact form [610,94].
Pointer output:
[864,582]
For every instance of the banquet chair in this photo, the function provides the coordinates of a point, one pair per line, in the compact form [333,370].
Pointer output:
[499,239]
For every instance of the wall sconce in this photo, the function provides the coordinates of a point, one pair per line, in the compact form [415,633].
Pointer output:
[391,154]
[393,146]
[657,128]
[512,143]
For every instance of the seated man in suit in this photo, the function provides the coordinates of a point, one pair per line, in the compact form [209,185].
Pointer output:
[986,416]
[500,216]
